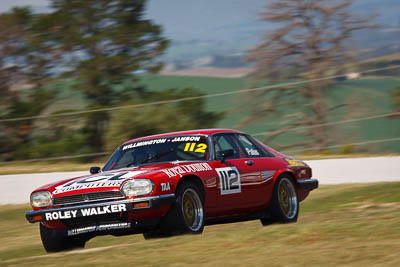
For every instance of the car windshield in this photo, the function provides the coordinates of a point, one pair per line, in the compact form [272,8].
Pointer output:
[171,148]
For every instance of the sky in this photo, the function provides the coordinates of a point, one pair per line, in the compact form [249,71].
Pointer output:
[6,5]
[199,27]
[185,20]
[212,20]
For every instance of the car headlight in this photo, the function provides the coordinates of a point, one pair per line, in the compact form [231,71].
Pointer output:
[137,187]
[41,199]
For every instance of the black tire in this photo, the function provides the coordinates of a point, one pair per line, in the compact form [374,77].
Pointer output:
[186,215]
[155,234]
[57,240]
[284,207]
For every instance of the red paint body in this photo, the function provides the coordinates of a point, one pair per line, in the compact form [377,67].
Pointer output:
[257,182]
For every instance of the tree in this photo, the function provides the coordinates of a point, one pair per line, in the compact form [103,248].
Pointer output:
[99,46]
[104,42]
[310,39]
[13,50]
[26,57]
[129,123]
[23,64]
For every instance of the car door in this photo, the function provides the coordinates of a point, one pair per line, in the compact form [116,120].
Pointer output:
[262,165]
[233,175]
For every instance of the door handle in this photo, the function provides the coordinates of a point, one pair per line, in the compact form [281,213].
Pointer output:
[249,162]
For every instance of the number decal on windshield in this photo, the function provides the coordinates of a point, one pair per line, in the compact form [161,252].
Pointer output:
[193,147]
[201,148]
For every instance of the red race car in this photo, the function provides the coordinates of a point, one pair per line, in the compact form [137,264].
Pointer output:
[170,184]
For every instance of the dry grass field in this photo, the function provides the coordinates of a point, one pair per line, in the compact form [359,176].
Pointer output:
[346,225]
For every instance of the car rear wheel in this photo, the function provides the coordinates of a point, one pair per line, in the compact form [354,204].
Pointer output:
[284,205]
[57,240]
[186,215]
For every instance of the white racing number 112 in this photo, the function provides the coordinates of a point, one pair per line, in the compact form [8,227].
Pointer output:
[229,180]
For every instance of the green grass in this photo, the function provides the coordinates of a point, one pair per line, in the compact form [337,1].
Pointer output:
[378,59]
[369,95]
[351,225]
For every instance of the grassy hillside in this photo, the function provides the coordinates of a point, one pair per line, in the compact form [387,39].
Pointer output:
[341,225]
[369,95]
[387,58]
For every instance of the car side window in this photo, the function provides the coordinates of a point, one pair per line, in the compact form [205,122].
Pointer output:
[224,142]
[250,148]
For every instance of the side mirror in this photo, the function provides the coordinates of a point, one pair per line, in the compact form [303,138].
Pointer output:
[94,170]
[224,154]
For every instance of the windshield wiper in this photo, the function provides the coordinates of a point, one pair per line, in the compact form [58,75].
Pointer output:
[157,156]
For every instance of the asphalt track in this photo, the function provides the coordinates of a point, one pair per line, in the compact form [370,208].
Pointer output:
[16,188]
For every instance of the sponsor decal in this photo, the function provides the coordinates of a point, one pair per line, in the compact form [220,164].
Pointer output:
[162,141]
[179,170]
[229,179]
[186,138]
[100,180]
[70,214]
[252,152]
[194,147]
[295,163]
[103,227]
[81,230]
[165,187]
[144,143]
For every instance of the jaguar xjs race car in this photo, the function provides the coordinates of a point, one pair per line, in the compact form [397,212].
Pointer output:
[170,184]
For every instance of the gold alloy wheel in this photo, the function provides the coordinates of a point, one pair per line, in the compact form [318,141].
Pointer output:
[192,209]
[287,198]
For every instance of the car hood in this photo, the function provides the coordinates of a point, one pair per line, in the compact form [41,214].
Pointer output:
[111,180]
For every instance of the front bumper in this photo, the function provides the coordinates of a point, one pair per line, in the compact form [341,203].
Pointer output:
[307,184]
[86,210]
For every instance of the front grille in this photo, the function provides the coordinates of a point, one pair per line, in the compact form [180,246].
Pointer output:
[88,197]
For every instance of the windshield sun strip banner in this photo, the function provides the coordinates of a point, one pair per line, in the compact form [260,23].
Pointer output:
[172,139]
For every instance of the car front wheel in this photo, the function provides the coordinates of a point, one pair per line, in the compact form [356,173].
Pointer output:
[57,240]
[192,210]
[186,215]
